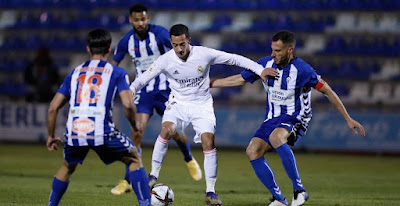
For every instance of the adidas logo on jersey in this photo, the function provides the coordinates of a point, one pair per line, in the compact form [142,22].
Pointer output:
[176,72]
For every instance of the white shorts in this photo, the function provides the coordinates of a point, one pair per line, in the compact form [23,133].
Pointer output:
[201,116]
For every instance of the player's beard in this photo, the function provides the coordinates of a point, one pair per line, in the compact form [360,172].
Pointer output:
[143,33]
[284,61]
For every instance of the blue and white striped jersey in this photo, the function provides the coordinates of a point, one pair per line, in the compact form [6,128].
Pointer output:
[145,52]
[290,93]
[91,88]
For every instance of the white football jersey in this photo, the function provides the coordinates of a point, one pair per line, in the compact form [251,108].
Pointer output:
[189,80]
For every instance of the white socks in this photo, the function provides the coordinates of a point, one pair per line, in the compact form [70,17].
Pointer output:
[159,151]
[210,169]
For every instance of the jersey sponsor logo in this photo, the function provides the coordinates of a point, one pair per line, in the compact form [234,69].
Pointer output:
[83,125]
[280,96]
[194,82]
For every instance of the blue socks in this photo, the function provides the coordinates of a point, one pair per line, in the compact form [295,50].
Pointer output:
[127,178]
[289,163]
[140,185]
[57,191]
[266,176]
[185,149]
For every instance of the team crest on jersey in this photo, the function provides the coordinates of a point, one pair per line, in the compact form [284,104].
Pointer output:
[288,79]
[200,69]
[83,125]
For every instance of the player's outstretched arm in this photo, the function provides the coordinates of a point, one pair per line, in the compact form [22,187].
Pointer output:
[231,81]
[129,107]
[58,102]
[114,62]
[335,100]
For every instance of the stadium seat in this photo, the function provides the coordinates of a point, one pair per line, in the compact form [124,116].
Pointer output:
[359,93]
[394,98]
[345,21]
[366,22]
[163,18]
[241,21]
[388,22]
[202,21]
[380,93]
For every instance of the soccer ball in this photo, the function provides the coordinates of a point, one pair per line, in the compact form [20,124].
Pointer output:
[161,195]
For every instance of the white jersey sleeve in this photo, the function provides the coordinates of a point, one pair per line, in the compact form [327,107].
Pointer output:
[146,77]
[222,57]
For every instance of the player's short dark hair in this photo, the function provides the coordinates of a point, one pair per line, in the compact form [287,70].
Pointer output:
[137,8]
[99,41]
[179,29]
[286,37]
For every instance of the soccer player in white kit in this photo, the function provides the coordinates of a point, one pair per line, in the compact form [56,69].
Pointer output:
[187,69]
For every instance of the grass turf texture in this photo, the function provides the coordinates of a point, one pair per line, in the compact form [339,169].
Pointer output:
[26,173]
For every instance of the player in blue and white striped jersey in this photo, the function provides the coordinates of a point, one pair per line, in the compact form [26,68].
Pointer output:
[91,88]
[288,108]
[145,43]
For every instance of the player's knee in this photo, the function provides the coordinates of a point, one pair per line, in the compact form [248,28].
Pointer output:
[167,131]
[252,153]
[276,141]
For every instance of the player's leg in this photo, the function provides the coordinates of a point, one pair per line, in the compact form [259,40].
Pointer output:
[142,119]
[119,147]
[136,137]
[144,104]
[181,140]
[73,156]
[210,167]
[60,183]
[138,177]
[278,139]
[255,152]
[160,150]
[204,123]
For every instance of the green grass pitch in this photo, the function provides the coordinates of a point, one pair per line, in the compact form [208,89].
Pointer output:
[26,173]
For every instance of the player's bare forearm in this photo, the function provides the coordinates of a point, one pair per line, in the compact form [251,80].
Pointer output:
[335,100]
[231,81]
[56,103]
[129,107]
[114,63]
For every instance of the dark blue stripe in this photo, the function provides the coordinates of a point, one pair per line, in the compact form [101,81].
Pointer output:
[91,133]
[161,48]
[149,51]
[72,132]
[137,49]
[75,142]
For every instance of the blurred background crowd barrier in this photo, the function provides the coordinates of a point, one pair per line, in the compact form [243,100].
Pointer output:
[353,44]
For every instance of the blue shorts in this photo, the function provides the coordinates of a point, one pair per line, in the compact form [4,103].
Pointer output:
[297,130]
[116,145]
[146,102]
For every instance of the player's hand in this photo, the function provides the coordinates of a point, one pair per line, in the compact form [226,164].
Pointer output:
[268,72]
[353,125]
[52,142]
